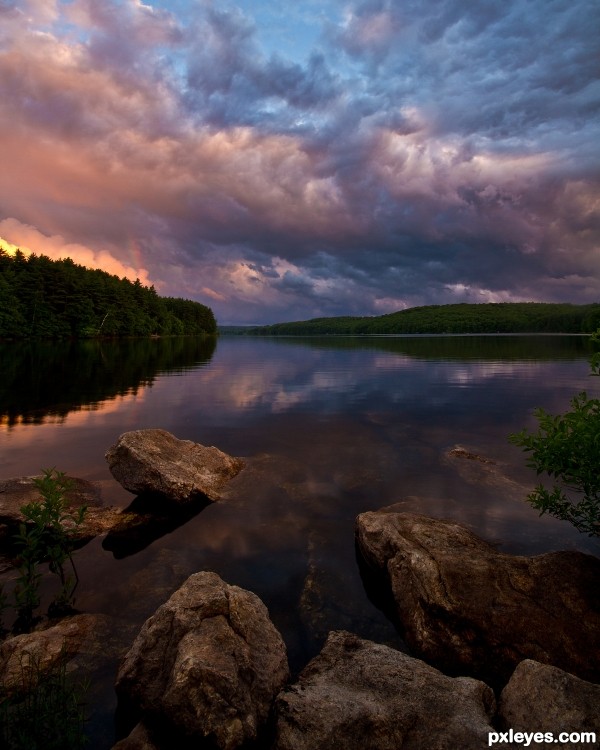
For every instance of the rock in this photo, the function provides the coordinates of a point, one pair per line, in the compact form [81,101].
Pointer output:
[129,529]
[359,695]
[24,657]
[139,739]
[206,666]
[156,462]
[19,491]
[459,452]
[469,609]
[482,471]
[540,698]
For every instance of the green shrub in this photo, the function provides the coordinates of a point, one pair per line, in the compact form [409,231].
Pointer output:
[566,447]
[43,709]
[47,536]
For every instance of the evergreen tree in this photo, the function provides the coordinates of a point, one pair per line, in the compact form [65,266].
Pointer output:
[42,298]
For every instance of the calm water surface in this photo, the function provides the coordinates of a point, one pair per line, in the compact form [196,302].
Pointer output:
[331,427]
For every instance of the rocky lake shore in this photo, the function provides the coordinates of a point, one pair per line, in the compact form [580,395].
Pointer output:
[495,641]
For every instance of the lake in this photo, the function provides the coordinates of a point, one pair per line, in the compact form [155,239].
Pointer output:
[330,427]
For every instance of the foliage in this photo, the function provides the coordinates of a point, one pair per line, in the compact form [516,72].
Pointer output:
[44,298]
[566,447]
[47,538]
[504,317]
[46,712]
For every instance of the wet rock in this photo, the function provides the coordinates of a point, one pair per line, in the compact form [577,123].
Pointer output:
[459,452]
[482,471]
[469,609]
[206,666]
[139,739]
[155,462]
[80,641]
[540,698]
[359,695]
[128,529]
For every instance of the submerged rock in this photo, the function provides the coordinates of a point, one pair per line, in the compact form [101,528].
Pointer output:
[359,695]
[469,609]
[328,600]
[481,471]
[540,698]
[154,461]
[19,491]
[206,666]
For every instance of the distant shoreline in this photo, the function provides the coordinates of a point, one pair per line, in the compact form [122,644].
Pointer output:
[411,335]
[501,318]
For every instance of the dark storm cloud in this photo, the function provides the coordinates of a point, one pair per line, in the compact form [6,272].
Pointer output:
[231,82]
[418,153]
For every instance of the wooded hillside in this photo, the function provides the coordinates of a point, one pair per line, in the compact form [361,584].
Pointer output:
[506,317]
[44,298]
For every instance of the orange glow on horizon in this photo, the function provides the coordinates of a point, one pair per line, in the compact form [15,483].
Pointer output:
[29,240]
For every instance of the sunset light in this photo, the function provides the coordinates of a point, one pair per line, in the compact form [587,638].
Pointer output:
[179,142]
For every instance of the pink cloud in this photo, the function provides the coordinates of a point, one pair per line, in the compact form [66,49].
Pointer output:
[341,192]
[14,235]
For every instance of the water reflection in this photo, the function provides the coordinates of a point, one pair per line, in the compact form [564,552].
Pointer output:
[548,347]
[42,380]
[154,520]
[330,428]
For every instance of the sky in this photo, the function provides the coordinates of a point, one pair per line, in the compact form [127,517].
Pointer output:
[283,160]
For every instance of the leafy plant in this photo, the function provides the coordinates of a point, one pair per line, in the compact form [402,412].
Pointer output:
[44,711]
[567,448]
[48,537]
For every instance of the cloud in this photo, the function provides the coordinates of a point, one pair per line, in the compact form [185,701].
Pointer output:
[16,236]
[416,154]
[368,31]
[230,81]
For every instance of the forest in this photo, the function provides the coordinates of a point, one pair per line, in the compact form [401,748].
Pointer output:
[503,317]
[45,298]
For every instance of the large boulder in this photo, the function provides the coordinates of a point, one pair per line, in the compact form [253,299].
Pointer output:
[206,666]
[156,462]
[541,699]
[359,695]
[469,609]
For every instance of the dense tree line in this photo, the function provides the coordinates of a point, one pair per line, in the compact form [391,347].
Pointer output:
[505,317]
[44,298]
